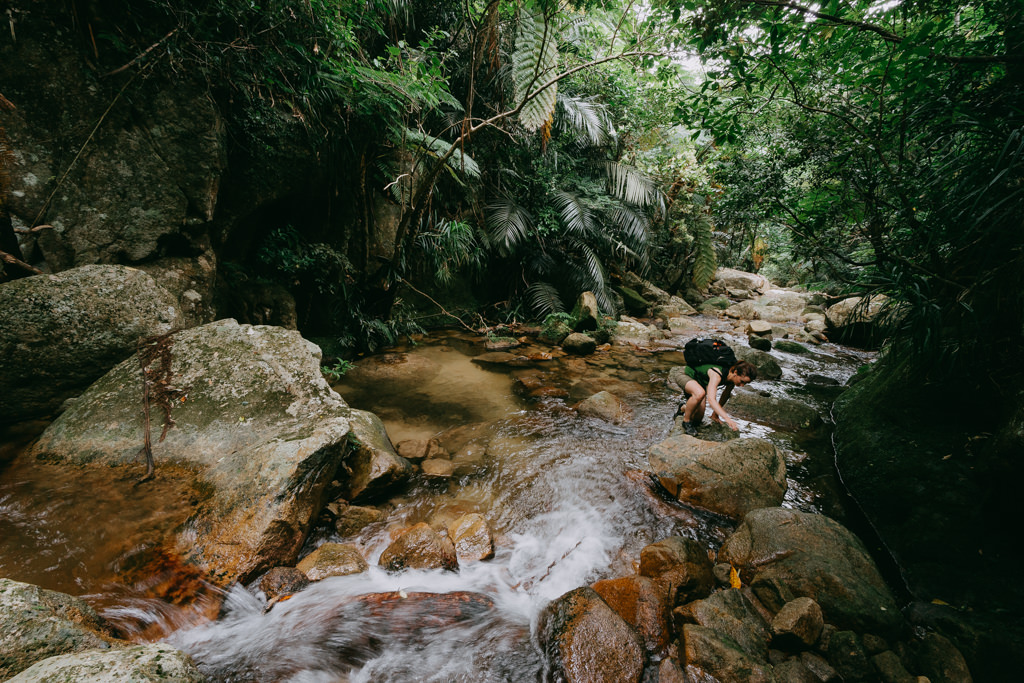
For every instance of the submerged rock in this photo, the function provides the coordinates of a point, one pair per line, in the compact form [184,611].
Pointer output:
[585,641]
[59,333]
[784,554]
[281,581]
[729,478]
[606,406]
[257,429]
[472,538]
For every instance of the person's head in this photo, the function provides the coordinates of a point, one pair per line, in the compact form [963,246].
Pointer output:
[742,373]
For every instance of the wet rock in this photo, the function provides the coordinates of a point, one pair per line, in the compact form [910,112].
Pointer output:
[36,624]
[393,372]
[732,618]
[820,667]
[784,554]
[59,333]
[472,538]
[420,548]
[777,411]
[281,581]
[455,439]
[606,406]
[847,655]
[646,289]
[374,469]
[260,435]
[760,328]
[729,478]
[712,654]
[332,559]
[759,343]
[873,644]
[588,386]
[680,325]
[643,603]
[938,659]
[797,625]
[628,331]
[438,468]
[767,367]
[890,669]
[715,303]
[585,641]
[682,564]
[791,347]
[369,621]
[586,316]
[794,671]
[669,671]
[413,450]
[153,662]
[554,331]
[502,343]
[579,344]
[501,358]
[354,518]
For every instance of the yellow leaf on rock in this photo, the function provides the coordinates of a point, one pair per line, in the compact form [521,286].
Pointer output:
[734,578]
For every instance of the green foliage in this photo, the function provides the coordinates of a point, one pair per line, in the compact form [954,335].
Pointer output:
[533,64]
[287,257]
[336,370]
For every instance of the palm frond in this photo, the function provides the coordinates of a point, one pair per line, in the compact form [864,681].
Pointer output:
[705,263]
[544,298]
[509,223]
[585,118]
[575,214]
[634,225]
[436,147]
[450,246]
[533,62]
[630,185]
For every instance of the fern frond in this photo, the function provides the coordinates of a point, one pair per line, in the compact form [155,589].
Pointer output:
[533,62]
[705,263]
[509,224]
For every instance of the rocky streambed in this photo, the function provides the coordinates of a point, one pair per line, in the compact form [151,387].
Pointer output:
[501,506]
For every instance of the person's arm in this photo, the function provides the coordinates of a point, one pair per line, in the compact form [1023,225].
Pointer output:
[718,413]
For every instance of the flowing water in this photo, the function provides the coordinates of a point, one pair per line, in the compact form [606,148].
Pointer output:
[566,497]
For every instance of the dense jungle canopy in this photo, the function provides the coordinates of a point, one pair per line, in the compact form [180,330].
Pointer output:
[529,150]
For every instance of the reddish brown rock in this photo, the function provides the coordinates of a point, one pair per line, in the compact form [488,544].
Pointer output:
[585,641]
[643,604]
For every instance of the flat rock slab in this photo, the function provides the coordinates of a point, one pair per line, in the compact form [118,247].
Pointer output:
[729,478]
[150,663]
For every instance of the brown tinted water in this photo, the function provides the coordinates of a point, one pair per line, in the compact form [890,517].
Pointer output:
[566,496]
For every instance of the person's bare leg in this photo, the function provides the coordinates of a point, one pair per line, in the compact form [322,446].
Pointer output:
[694,405]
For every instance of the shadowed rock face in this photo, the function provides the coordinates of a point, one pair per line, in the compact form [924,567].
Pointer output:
[59,333]
[259,429]
[784,554]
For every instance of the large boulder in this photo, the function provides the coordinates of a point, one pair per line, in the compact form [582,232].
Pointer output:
[856,320]
[585,315]
[257,431]
[585,641]
[606,406]
[149,663]
[59,333]
[730,279]
[767,367]
[784,554]
[374,468]
[36,624]
[729,478]
[147,181]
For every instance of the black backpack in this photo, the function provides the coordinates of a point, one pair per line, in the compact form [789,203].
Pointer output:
[699,351]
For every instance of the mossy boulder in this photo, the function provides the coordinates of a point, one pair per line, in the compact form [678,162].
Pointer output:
[59,333]
[258,433]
